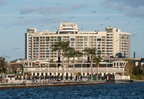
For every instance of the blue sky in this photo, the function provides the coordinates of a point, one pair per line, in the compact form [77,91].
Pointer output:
[18,15]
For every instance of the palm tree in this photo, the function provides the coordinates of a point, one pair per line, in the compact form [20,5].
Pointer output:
[128,67]
[91,53]
[72,53]
[97,60]
[77,55]
[69,54]
[61,47]
[3,63]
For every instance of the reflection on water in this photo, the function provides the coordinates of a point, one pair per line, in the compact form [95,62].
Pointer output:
[133,90]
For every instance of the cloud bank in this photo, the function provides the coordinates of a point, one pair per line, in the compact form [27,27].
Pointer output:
[49,10]
[2,2]
[133,8]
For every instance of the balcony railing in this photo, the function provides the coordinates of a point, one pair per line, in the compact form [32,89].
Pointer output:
[76,69]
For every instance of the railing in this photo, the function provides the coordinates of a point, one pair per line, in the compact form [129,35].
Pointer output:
[117,77]
[70,70]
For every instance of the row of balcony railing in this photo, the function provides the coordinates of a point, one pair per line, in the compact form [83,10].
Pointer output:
[75,70]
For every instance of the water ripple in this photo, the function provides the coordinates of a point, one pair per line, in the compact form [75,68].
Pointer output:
[102,91]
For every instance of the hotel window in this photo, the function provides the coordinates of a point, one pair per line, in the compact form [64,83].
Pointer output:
[72,39]
[37,38]
[59,38]
[47,38]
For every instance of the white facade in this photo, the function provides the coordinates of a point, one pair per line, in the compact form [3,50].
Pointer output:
[109,42]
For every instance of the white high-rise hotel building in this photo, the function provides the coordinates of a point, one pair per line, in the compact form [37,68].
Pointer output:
[109,42]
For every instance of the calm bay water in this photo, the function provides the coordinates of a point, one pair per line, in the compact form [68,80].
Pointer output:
[133,90]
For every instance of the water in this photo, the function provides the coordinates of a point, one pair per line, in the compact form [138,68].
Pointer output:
[133,90]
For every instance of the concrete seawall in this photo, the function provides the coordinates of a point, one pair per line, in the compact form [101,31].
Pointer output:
[32,85]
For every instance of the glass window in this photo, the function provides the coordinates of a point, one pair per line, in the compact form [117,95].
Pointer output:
[47,38]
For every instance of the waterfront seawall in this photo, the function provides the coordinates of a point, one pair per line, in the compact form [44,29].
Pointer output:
[32,85]
[59,83]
